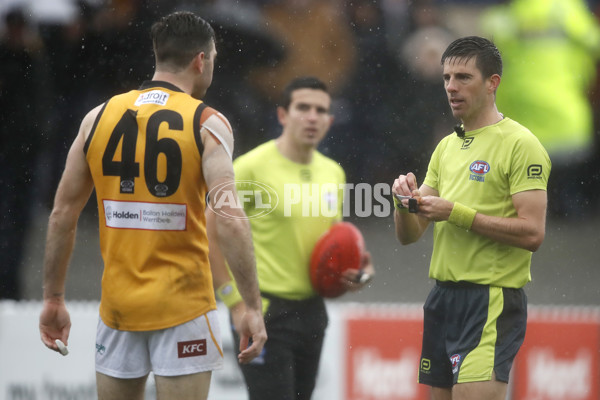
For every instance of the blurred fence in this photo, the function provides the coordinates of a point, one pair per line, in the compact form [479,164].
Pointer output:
[371,352]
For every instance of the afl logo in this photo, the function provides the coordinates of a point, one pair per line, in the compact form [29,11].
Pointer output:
[455,360]
[479,167]
[260,197]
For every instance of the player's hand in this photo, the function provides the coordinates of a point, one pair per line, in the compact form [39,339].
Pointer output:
[55,323]
[406,185]
[356,279]
[434,208]
[252,332]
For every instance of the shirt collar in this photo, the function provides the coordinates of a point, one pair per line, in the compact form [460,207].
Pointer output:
[151,84]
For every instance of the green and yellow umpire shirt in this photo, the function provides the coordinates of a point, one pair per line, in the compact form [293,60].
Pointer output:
[483,171]
[289,206]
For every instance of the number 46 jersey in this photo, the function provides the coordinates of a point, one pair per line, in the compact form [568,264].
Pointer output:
[145,155]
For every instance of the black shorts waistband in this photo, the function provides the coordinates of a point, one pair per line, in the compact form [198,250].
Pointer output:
[300,302]
[460,284]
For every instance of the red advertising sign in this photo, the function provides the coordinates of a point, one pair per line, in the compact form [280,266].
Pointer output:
[382,356]
[560,358]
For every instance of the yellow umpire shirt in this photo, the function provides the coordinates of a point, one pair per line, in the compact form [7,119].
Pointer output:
[289,205]
[484,170]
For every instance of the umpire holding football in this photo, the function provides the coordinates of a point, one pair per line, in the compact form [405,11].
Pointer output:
[485,190]
[284,237]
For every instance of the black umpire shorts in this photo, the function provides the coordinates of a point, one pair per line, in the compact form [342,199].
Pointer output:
[288,365]
[469,332]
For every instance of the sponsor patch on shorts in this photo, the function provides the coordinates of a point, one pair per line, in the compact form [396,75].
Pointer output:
[193,348]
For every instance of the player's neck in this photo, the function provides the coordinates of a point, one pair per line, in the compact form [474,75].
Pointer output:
[294,152]
[490,117]
[178,80]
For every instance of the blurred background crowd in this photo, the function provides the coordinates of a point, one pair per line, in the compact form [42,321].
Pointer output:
[60,58]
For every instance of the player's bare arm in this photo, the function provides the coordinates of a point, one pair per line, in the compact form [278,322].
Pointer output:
[220,271]
[239,253]
[410,226]
[218,266]
[526,231]
[73,192]
[218,171]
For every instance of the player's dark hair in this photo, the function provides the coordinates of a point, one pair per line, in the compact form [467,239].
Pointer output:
[303,82]
[487,56]
[178,37]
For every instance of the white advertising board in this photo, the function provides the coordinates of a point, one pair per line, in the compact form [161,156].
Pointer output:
[29,371]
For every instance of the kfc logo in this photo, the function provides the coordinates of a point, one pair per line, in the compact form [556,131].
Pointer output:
[191,349]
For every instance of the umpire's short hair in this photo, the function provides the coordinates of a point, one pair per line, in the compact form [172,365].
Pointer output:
[488,59]
[178,37]
[303,82]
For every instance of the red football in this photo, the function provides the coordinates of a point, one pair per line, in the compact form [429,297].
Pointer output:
[338,249]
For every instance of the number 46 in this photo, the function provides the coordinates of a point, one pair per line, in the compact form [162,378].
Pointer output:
[128,169]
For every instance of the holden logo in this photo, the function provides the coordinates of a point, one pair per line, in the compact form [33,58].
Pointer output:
[108,213]
[161,189]
[127,186]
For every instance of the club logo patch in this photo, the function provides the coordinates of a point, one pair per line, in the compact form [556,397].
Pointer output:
[478,169]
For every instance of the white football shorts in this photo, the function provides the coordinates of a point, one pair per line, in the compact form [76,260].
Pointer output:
[189,348]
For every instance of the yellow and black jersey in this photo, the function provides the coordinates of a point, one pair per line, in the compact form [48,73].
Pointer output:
[145,156]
